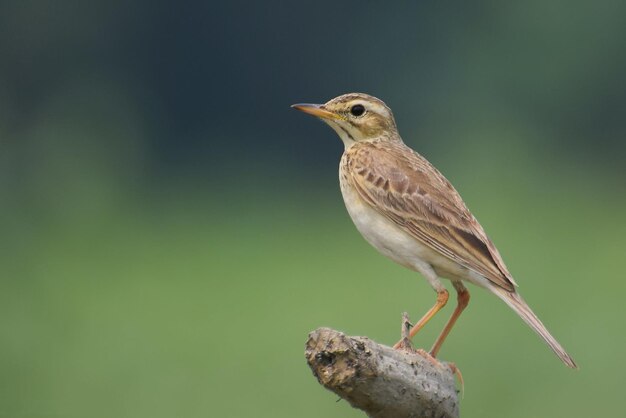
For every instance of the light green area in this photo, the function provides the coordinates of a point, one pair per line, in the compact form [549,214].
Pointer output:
[197,303]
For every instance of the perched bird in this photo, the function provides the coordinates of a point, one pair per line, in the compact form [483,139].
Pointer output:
[410,212]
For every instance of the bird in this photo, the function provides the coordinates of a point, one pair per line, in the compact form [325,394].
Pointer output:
[406,209]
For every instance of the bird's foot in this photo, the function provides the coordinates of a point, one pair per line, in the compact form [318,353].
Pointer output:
[405,344]
[428,357]
[453,368]
[457,373]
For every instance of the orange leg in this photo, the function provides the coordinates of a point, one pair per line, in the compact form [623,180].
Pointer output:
[463,298]
[442,298]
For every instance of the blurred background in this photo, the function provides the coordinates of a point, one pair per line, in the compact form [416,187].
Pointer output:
[172,230]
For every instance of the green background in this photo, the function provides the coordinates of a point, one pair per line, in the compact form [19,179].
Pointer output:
[172,231]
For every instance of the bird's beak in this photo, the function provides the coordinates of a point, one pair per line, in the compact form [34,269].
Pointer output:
[316,110]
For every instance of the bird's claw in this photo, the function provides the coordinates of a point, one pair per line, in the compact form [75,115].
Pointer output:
[457,372]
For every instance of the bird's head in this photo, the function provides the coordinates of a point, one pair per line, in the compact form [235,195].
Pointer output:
[355,117]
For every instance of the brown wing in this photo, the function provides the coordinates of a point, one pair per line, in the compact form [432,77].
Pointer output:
[407,189]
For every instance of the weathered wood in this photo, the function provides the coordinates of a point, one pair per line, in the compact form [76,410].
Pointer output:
[383,382]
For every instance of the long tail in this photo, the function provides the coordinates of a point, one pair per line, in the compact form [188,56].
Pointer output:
[515,301]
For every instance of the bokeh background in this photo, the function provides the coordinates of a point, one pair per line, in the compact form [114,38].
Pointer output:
[171,230]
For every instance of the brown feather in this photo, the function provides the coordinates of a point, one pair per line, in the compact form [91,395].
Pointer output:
[403,186]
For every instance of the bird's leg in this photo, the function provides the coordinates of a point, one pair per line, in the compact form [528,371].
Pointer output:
[442,298]
[463,298]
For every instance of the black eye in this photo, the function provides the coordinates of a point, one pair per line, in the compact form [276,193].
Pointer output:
[357,110]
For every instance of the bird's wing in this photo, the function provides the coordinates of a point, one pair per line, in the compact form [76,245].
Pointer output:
[407,189]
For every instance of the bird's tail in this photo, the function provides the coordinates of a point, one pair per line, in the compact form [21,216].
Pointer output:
[515,301]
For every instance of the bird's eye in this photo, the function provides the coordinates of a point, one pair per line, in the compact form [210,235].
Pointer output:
[357,110]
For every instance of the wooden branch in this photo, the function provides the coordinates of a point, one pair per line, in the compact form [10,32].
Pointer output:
[383,382]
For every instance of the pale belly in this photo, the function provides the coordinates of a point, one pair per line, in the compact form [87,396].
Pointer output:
[396,244]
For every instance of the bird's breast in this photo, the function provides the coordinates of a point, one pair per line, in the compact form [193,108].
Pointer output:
[389,239]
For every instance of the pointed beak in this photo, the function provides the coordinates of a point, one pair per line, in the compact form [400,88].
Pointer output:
[316,110]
